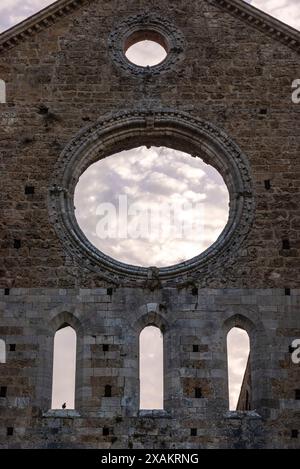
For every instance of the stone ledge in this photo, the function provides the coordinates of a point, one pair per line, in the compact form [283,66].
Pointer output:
[61,413]
[159,413]
[241,414]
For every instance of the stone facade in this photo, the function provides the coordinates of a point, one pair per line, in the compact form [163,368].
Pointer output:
[224,93]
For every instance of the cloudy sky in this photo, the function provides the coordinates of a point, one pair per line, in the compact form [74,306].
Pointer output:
[149,179]
[176,205]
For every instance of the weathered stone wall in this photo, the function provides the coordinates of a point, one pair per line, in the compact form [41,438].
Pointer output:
[230,72]
[64,78]
[32,317]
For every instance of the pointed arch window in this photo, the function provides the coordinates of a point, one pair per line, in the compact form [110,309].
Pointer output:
[64,368]
[2,351]
[151,368]
[239,372]
[2,92]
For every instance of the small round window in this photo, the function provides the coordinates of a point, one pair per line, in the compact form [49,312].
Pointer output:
[146,48]
[146,44]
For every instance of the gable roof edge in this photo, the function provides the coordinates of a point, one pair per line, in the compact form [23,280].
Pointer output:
[266,23]
[238,8]
[37,22]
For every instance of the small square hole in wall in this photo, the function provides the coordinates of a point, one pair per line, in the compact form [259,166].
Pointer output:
[109,291]
[17,243]
[195,348]
[287,292]
[12,347]
[294,433]
[105,431]
[198,393]
[286,243]
[105,347]
[195,291]
[267,183]
[107,391]
[6,291]
[3,391]
[10,431]
[193,431]
[29,190]
[297,394]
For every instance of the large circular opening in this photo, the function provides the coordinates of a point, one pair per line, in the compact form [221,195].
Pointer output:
[162,128]
[146,48]
[151,206]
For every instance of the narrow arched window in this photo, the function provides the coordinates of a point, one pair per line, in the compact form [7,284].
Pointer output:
[64,368]
[239,373]
[2,92]
[2,351]
[151,368]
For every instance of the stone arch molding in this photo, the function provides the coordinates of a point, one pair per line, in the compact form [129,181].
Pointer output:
[150,314]
[166,127]
[63,316]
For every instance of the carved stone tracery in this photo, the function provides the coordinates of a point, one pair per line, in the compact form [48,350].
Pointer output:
[171,39]
[171,128]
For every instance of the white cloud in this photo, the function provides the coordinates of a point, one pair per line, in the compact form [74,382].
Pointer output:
[168,176]
[287,11]
[14,11]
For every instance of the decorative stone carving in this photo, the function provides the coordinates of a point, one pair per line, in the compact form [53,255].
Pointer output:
[130,129]
[173,40]
[56,190]
[153,281]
